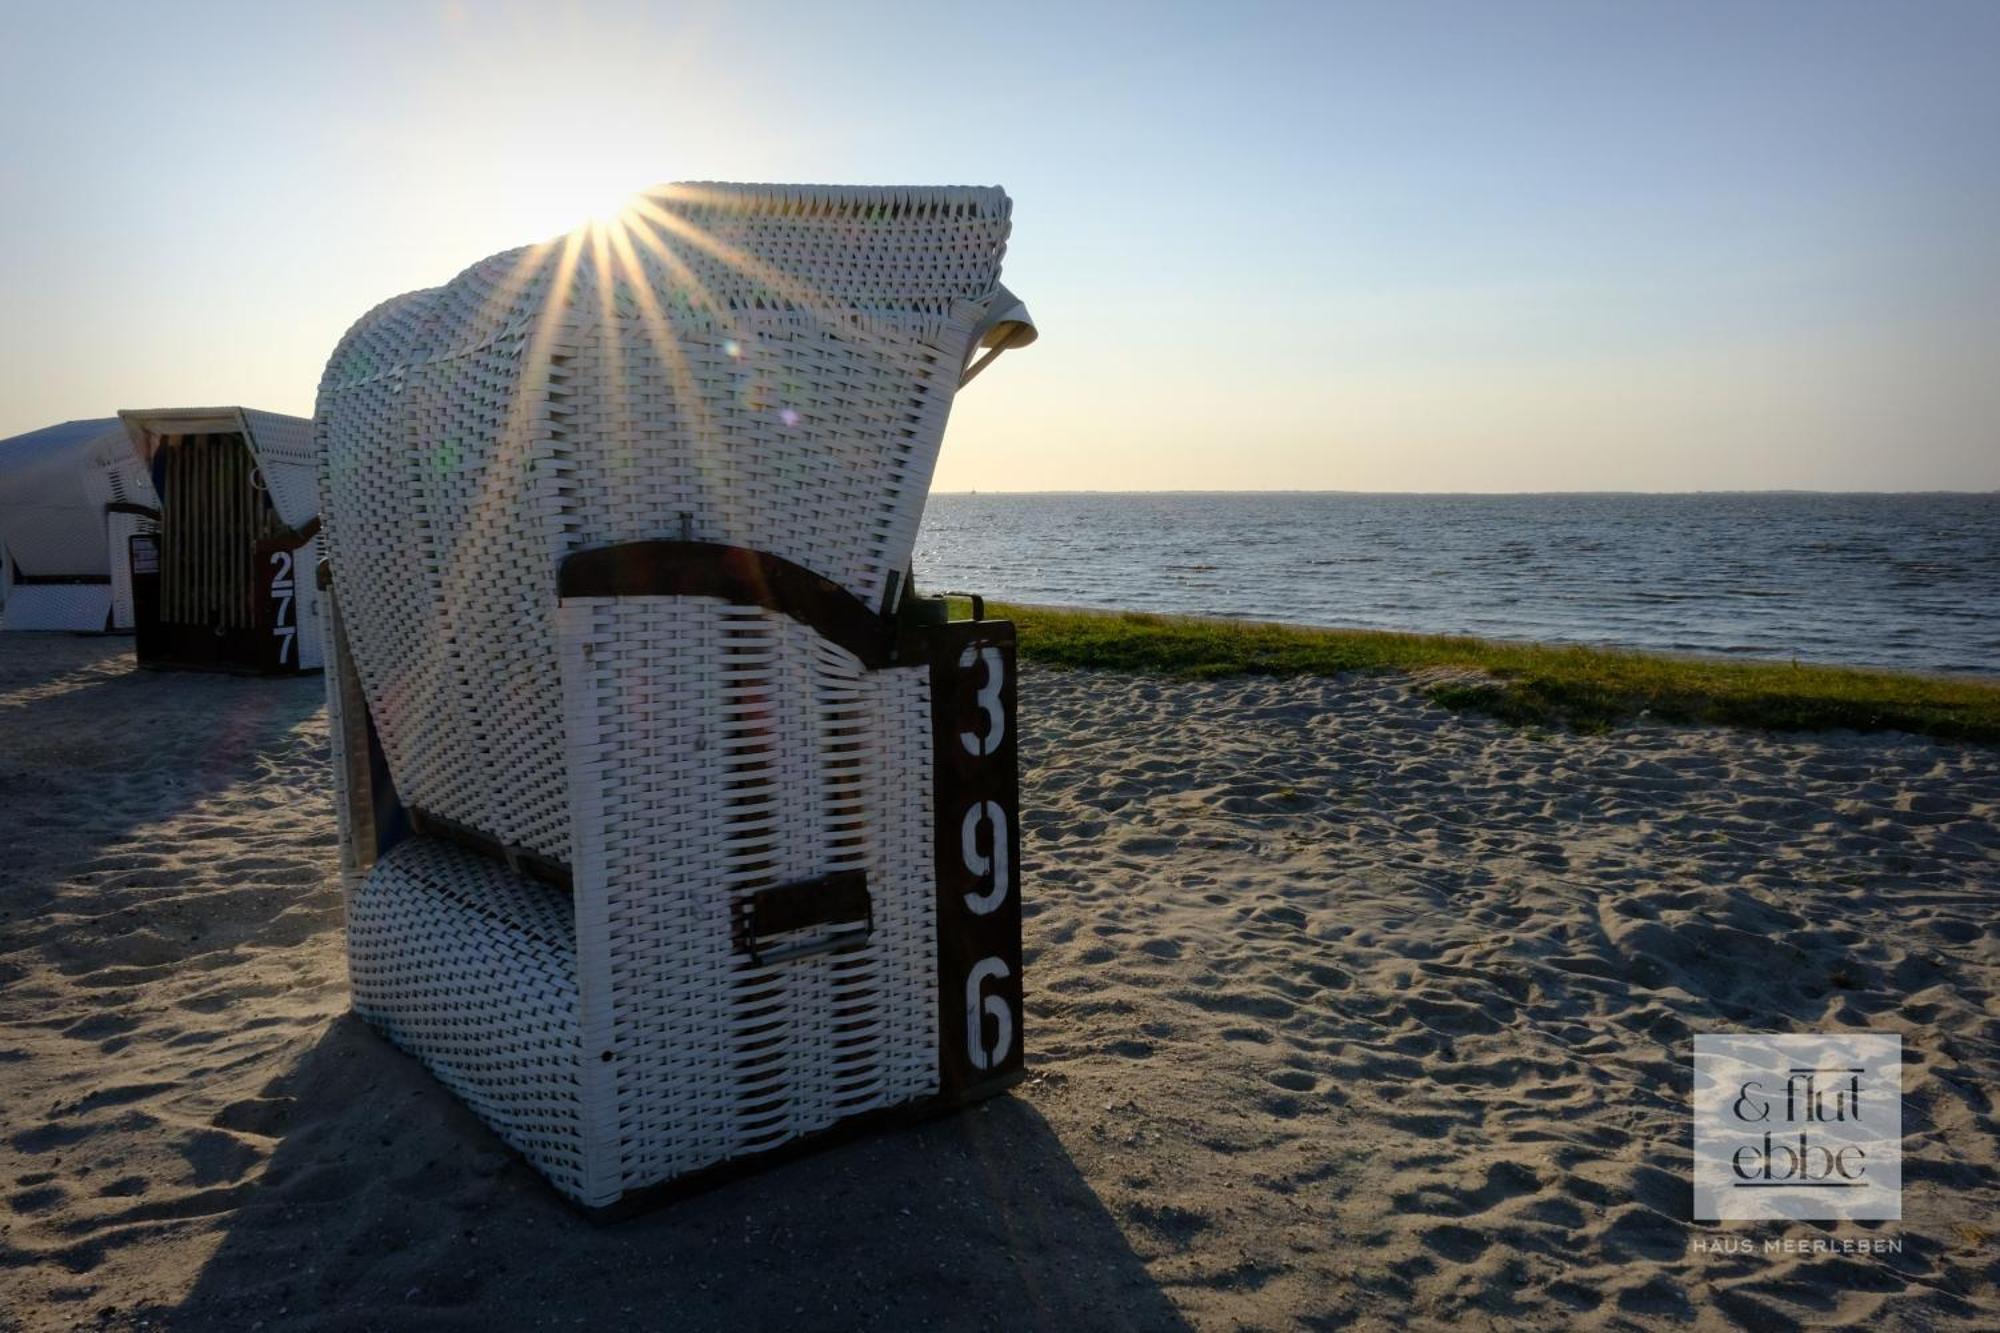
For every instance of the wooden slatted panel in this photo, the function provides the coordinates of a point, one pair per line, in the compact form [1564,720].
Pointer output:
[213,513]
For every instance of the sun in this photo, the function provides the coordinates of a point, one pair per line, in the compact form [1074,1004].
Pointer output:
[571,196]
[610,208]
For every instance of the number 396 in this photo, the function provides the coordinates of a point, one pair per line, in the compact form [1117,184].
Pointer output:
[990,869]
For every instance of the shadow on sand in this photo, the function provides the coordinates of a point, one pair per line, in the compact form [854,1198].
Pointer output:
[385,1205]
[115,751]
[31,660]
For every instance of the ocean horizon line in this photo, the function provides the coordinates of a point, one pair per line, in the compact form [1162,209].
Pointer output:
[1483,495]
[1889,579]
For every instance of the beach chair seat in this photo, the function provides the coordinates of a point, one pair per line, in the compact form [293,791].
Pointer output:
[670,843]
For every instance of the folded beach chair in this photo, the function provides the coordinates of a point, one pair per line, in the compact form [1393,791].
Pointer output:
[677,837]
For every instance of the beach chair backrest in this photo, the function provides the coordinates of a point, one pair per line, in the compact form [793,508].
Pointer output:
[763,367]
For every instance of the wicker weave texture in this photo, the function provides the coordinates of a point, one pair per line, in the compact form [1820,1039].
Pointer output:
[724,750]
[289,462]
[473,970]
[636,1043]
[768,367]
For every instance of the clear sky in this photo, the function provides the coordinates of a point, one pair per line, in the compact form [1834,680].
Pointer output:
[1397,246]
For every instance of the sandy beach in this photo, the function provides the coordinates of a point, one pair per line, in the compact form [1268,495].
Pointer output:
[1343,1010]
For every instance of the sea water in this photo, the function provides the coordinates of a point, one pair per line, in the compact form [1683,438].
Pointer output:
[1908,580]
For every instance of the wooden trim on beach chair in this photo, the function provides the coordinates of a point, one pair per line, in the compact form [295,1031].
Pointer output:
[838,901]
[737,575]
[289,539]
[520,860]
[372,816]
[976,843]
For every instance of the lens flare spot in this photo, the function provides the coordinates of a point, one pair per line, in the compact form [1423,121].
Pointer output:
[732,348]
[789,417]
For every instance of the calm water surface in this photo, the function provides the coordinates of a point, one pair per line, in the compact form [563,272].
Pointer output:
[1890,580]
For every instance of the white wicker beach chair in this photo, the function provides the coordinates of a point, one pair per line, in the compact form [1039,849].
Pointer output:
[671,847]
[218,574]
[69,497]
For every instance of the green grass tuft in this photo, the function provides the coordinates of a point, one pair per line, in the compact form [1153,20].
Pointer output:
[1527,684]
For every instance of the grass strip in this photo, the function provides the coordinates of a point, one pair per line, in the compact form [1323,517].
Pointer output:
[1528,684]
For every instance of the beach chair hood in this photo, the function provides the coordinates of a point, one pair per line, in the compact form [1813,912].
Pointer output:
[764,367]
